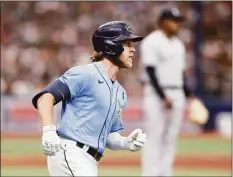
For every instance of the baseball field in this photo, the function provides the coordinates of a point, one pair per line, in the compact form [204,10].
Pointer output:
[197,155]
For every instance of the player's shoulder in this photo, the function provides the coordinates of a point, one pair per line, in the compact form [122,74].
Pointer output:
[179,42]
[123,94]
[122,89]
[80,69]
[86,67]
[154,38]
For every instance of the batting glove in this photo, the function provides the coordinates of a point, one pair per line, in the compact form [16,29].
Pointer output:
[136,140]
[50,140]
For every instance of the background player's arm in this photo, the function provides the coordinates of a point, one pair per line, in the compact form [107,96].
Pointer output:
[150,59]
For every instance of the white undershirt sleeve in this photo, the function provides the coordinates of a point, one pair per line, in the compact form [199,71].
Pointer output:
[116,142]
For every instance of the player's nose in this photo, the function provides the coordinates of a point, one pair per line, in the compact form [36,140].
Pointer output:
[133,49]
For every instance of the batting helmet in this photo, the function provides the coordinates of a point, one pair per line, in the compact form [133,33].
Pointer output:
[108,38]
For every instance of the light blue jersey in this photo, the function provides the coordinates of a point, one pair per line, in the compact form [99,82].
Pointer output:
[95,107]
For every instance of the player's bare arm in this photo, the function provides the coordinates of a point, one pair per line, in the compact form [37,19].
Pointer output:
[44,102]
[45,109]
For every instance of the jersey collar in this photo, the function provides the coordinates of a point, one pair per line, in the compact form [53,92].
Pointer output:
[104,74]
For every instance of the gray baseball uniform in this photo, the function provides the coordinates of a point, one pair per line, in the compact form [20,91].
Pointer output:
[168,57]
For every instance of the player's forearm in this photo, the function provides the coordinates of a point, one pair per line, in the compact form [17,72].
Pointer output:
[45,109]
[116,142]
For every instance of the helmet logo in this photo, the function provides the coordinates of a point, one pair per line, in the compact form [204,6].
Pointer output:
[128,29]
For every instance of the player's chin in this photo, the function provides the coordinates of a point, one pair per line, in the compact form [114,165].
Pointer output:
[128,65]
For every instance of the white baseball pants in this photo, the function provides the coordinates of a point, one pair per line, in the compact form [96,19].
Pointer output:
[72,161]
[162,128]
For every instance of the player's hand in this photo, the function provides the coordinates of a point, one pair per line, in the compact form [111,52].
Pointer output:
[167,104]
[50,140]
[136,140]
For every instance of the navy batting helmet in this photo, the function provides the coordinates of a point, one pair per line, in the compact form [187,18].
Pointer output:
[108,38]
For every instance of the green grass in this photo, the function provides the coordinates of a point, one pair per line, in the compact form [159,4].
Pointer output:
[111,171]
[200,146]
[21,146]
[24,171]
[203,146]
[185,146]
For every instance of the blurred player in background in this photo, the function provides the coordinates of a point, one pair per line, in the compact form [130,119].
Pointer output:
[165,89]
[92,104]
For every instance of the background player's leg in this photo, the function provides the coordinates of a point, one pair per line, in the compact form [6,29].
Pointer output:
[154,123]
[172,129]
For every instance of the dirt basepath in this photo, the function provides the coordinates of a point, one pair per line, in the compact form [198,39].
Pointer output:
[216,162]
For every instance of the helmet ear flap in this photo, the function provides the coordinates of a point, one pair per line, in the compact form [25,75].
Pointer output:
[113,48]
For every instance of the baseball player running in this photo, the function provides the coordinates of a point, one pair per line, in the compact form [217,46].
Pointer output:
[163,57]
[92,104]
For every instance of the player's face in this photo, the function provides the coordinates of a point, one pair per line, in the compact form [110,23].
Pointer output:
[126,57]
[172,26]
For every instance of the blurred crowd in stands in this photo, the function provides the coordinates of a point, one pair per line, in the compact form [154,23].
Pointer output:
[41,40]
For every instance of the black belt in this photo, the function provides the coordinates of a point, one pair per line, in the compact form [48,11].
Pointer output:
[93,152]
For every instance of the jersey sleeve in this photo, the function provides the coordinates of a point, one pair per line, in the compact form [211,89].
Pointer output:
[149,54]
[77,79]
[117,126]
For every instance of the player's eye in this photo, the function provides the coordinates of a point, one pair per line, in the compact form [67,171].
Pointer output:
[128,43]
